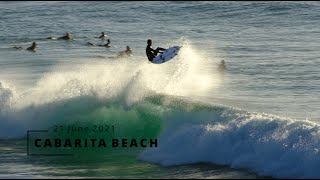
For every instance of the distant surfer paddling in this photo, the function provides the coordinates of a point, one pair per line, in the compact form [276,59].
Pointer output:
[107,45]
[125,53]
[222,66]
[66,37]
[103,36]
[32,47]
[152,53]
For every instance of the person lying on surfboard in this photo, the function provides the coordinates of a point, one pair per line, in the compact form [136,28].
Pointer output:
[31,48]
[152,53]
[107,45]
[68,36]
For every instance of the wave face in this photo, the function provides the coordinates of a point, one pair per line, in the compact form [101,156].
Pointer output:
[266,144]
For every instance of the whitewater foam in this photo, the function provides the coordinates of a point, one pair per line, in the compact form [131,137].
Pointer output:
[267,144]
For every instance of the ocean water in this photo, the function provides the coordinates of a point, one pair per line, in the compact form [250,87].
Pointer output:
[258,118]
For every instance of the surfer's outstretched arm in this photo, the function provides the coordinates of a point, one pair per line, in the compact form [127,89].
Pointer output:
[160,48]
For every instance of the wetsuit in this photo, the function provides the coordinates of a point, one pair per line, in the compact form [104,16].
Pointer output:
[152,53]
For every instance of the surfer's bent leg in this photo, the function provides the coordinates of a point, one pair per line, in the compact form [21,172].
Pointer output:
[156,52]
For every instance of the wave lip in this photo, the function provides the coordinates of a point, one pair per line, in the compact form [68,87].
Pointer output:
[267,144]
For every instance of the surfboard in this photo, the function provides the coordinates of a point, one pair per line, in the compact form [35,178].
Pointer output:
[166,55]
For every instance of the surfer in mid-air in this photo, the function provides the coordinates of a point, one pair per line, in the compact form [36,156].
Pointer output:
[152,53]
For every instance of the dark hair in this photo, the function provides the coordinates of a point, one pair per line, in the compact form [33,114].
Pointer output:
[149,40]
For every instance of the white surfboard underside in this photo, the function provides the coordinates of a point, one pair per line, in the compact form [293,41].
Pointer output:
[167,55]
